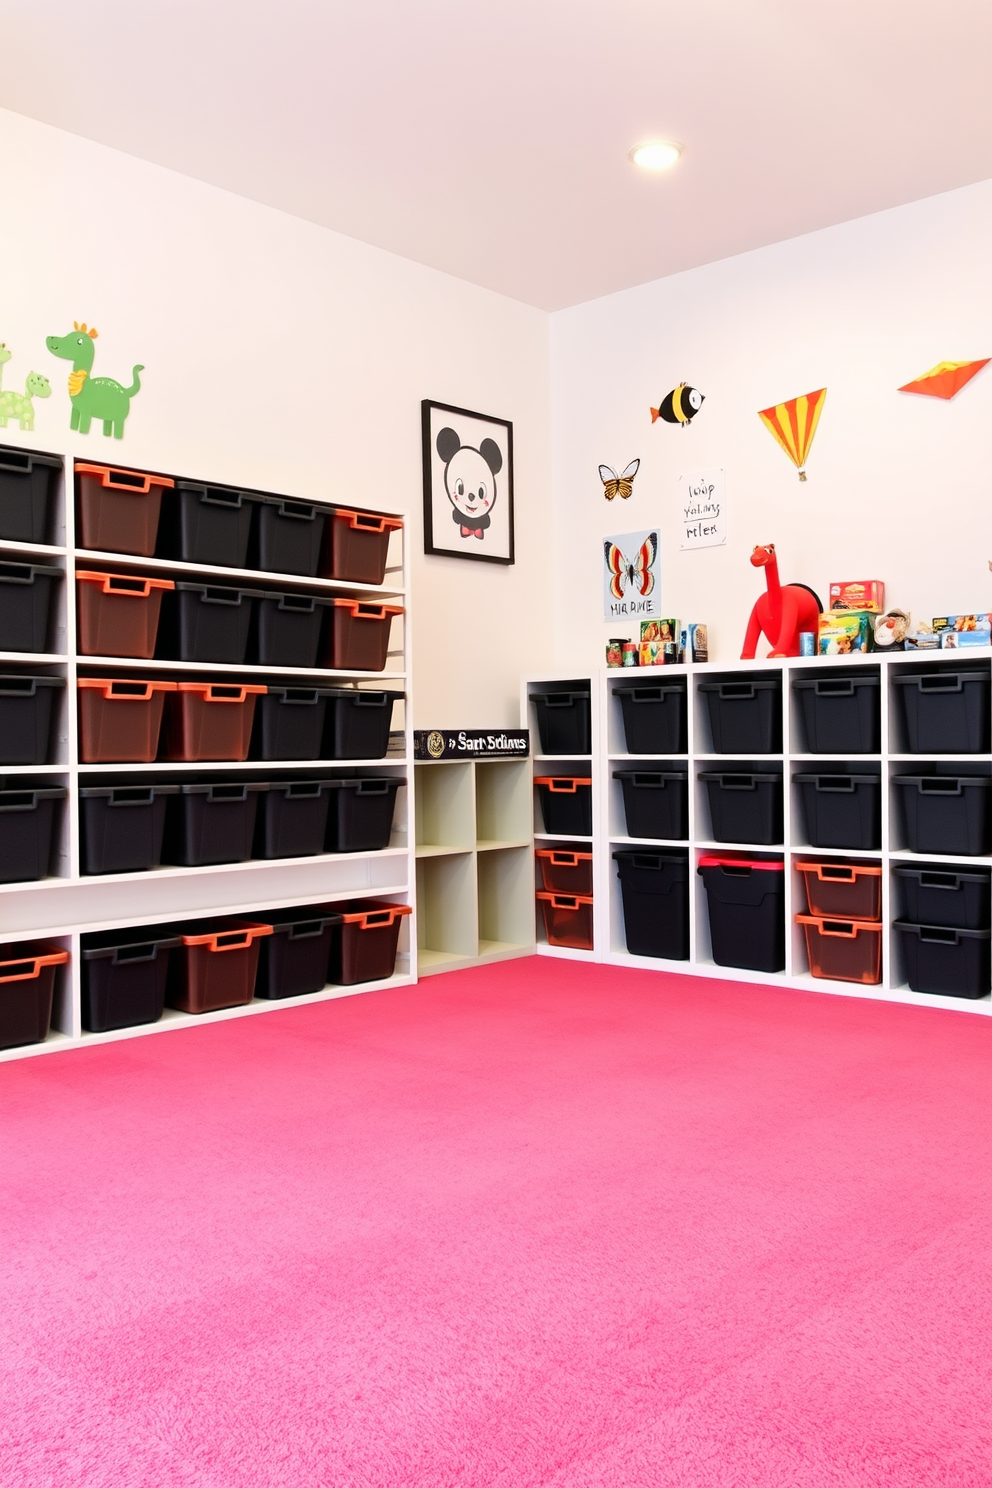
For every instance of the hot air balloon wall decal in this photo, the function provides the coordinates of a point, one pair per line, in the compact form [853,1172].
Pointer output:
[793,425]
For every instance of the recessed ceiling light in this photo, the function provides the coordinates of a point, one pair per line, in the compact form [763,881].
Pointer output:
[656,155]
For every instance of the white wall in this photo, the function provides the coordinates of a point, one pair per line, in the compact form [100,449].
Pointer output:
[289,358]
[898,486]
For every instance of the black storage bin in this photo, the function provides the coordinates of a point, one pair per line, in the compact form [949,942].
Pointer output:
[124,976]
[26,594]
[945,712]
[289,723]
[290,536]
[26,705]
[566,804]
[745,806]
[123,826]
[208,623]
[208,524]
[655,803]
[292,821]
[360,818]
[842,810]
[841,713]
[745,716]
[28,483]
[944,960]
[655,891]
[563,722]
[27,828]
[358,723]
[956,897]
[294,958]
[947,814]
[288,629]
[654,718]
[213,823]
[746,904]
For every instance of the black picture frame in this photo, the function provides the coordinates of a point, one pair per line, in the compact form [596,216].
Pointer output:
[448,533]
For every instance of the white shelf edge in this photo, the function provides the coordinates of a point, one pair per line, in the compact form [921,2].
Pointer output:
[132,663]
[256,577]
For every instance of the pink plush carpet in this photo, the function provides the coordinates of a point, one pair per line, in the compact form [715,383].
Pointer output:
[536,1226]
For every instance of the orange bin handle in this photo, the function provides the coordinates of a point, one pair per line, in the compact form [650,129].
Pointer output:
[563,784]
[372,919]
[229,940]
[367,522]
[563,859]
[839,929]
[564,901]
[359,611]
[229,692]
[123,584]
[137,482]
[30,967]
[139,692]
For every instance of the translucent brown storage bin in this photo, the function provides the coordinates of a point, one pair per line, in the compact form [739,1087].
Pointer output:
[26,713]
[358,544]
[27,987]
[564,871]
[120,720]
[28,483]
[118,613]
[359,635]
[118,510]
[567,919]
[216,967]
[27,594]
[843,950]
[365,942]
[211,720]
[843,891]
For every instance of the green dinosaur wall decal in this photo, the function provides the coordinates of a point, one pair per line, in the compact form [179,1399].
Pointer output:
[93,397]
[5,356]
[19,406]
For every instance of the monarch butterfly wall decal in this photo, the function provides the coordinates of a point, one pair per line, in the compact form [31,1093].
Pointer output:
[618,485]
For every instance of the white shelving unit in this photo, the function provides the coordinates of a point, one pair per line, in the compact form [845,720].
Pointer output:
[473,848]
[64,907]
[609,827]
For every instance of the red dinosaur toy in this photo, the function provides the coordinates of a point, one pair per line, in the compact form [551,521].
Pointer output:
[783,613]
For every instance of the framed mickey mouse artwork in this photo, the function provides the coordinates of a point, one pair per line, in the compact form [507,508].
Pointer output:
[468,484]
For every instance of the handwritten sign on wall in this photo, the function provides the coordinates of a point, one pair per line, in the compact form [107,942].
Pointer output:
[703,509]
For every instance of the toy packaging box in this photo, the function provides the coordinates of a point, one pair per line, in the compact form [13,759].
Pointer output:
[961,640]
[844,632]
[858,594]
[890,630]
[962,623]
[660,630]
[693,643]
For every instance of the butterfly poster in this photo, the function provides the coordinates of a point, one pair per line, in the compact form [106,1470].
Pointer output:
[631,589]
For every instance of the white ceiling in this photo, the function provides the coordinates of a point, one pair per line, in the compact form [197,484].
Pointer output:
[489,138]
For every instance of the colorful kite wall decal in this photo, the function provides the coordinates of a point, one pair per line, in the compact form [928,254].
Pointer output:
[793,425]
[946,379]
